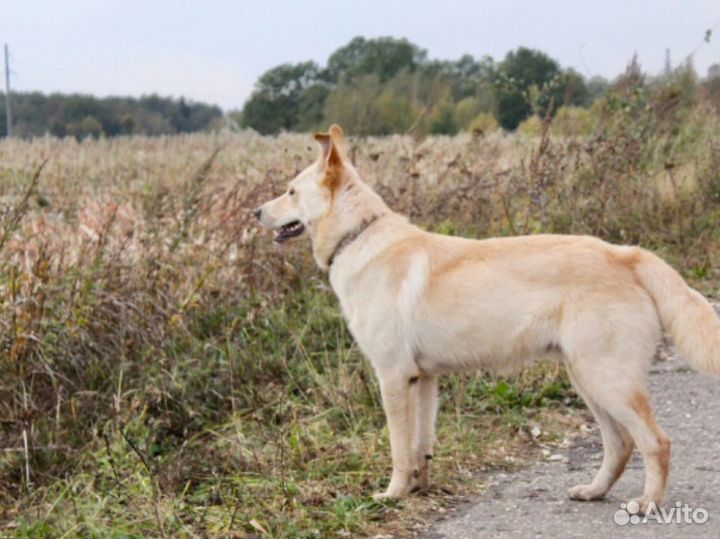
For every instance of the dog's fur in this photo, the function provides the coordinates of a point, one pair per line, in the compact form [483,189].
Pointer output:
[421,304]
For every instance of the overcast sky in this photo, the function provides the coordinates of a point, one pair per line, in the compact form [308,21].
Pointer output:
[214,50]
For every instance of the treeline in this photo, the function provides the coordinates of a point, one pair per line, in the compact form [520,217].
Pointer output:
[387,85]
[80,116]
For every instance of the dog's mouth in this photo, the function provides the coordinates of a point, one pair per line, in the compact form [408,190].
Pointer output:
[290,230]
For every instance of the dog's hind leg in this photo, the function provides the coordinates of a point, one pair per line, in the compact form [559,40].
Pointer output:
[609,341]
[636,415]
[625,400]
[617,449]
[399,396]
[427,399]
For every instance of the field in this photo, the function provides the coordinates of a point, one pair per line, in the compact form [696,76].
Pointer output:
[168,372]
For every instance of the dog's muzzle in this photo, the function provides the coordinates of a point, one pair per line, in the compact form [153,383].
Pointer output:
[290,230]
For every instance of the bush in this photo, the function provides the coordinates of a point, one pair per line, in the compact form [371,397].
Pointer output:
[465,111]
[483,123]
[572,121]
[531,126]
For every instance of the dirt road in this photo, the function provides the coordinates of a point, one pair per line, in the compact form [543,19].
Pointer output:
[533,502]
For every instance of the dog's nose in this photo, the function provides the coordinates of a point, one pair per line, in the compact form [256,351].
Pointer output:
[258,212]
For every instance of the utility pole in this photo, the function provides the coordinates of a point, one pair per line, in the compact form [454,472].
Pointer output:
[8,111]
[668,65]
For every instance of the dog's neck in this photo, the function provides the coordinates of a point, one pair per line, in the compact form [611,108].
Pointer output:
[355,202]
[350,237]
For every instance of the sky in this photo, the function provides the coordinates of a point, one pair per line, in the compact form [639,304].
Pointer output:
[214,50]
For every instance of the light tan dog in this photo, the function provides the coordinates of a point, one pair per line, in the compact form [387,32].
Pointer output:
[422,304]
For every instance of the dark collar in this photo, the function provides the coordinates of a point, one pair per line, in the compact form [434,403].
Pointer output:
[351,236]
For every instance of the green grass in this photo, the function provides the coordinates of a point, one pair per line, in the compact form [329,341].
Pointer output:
[300,456]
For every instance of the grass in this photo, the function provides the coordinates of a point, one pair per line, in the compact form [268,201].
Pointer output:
[303,463]
[167,372]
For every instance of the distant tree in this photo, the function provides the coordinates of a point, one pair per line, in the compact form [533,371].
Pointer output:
[571,89]
[180,117]
[465,111]
[566,88]
[384,57]
[529,81]
[386,85]
[433,84]
[58,129]
[483,124]
[522,77]
[395,110]
[351,103]
[370,107]
[527,67]
[275,103]
[90,127]
[442,119]
[154,123]
[513,106]
[467,73]
[76,115]
[311,108]
[128,124]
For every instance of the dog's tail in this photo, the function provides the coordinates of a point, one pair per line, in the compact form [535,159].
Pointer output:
[684,312]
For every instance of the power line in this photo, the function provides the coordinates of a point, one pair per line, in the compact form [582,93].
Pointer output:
[8,111]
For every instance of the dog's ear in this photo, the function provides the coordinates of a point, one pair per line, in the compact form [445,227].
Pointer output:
[331,144]
[336,133]
[331,155]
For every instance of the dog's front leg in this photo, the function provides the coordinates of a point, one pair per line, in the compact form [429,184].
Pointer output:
[399,396]
[427,400]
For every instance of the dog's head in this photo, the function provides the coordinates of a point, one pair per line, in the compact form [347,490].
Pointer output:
[308,200]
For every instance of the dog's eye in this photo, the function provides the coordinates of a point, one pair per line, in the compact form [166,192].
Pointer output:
[291,192]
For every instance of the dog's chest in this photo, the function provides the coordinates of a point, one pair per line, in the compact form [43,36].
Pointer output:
[363,301]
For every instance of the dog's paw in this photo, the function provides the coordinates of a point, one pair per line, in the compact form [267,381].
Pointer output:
[387,495]
[585,493]
[393,492]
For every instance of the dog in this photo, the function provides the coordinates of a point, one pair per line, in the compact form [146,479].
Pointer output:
[421,304]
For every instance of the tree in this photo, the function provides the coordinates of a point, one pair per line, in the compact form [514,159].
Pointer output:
[386,85]
[351,103]
[567,88]
[466,110]
[442,119]
[523,76]
[311,108]
[395,110]
[82,115]
[383,56]
[128,124]
[275,103]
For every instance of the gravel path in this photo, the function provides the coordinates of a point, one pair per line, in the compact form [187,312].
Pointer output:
[533,502]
